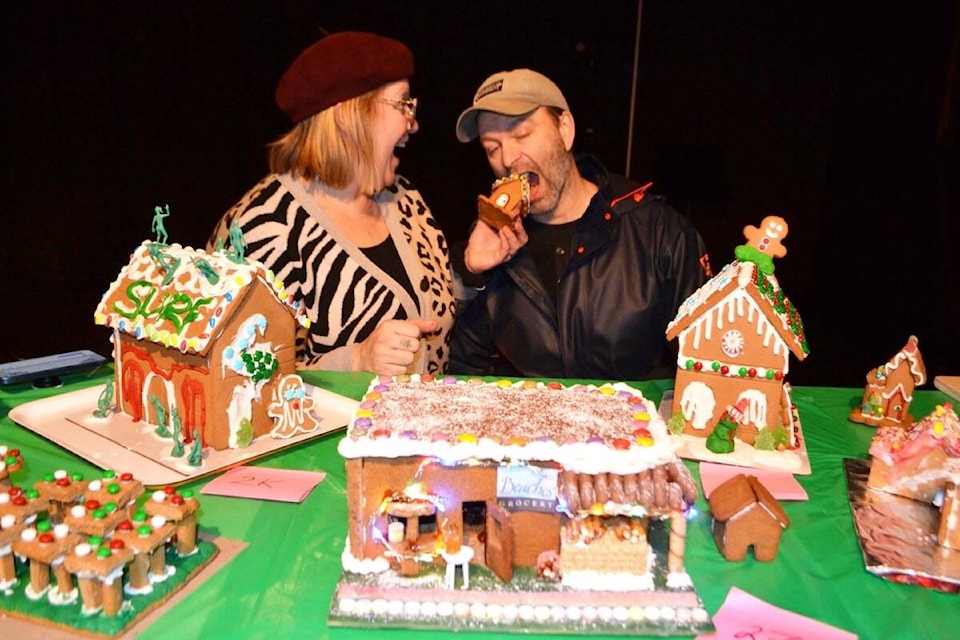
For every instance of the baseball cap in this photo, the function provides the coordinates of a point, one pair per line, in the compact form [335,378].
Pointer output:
[510,93]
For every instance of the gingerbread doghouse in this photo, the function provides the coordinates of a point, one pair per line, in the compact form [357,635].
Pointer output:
[745,514]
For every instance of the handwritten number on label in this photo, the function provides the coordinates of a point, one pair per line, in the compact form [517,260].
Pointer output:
[252,480]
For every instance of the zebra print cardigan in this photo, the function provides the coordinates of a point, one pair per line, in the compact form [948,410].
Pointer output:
[345,294]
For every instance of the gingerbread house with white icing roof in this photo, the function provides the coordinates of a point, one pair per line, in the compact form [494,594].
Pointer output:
[889,389]
[522,474]
[736,334]
[200,340]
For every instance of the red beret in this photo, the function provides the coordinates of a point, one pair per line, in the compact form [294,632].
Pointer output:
[339,67]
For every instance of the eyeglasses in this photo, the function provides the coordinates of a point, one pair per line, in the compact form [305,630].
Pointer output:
[406,106]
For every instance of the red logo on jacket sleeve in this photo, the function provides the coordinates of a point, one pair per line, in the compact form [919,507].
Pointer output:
[705,265]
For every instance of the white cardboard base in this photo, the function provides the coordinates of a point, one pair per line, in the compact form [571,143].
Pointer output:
[795,461]
[116,442]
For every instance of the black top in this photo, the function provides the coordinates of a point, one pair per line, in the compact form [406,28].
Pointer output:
[550,245]
[386,256]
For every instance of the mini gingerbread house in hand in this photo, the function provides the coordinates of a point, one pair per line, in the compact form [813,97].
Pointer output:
[736,334]
[889,389]
[509,199]
[745,514]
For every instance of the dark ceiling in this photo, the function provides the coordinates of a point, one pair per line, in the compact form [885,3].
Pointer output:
[842,120]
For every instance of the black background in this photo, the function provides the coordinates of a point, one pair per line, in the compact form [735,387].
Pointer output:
[839,116]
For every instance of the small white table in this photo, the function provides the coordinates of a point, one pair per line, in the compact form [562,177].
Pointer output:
[461,558]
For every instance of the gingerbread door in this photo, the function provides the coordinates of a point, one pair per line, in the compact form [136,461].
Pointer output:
[131,389]
[895,406]
[499,544]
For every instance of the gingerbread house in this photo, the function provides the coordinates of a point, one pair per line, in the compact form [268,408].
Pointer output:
[736,334]
[922,462]
[510,478]
[889,389]
[745,515]
[200,340]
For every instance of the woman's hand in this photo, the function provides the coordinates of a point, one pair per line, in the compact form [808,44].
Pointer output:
[392,347]
[487,248]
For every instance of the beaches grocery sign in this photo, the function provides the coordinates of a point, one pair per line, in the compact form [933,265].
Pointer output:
[527,488]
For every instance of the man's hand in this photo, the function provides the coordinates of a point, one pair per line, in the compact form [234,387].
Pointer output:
[487,248]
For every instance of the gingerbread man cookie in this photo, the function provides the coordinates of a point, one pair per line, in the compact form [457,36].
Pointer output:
[290,408]
[764,243]
[768,238]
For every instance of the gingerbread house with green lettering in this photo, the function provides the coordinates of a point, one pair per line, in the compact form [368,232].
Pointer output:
[736,335]
[200,340]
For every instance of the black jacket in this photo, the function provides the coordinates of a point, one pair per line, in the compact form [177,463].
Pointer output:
[634,260]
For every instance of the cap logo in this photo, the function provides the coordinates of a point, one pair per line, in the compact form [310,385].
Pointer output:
[484,91]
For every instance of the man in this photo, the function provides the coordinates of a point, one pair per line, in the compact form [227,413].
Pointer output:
[585,284]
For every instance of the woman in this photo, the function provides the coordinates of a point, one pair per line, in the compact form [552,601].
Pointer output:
[348,237]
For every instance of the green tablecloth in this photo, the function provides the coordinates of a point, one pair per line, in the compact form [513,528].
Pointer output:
[280,585]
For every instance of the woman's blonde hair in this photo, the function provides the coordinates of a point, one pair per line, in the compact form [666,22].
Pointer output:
[332,147]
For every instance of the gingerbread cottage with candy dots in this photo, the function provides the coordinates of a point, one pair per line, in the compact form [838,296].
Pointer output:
[736,334]
[10,461]
[95,547]
[180,508]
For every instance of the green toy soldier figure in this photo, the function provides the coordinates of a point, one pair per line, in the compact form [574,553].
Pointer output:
[158,226]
